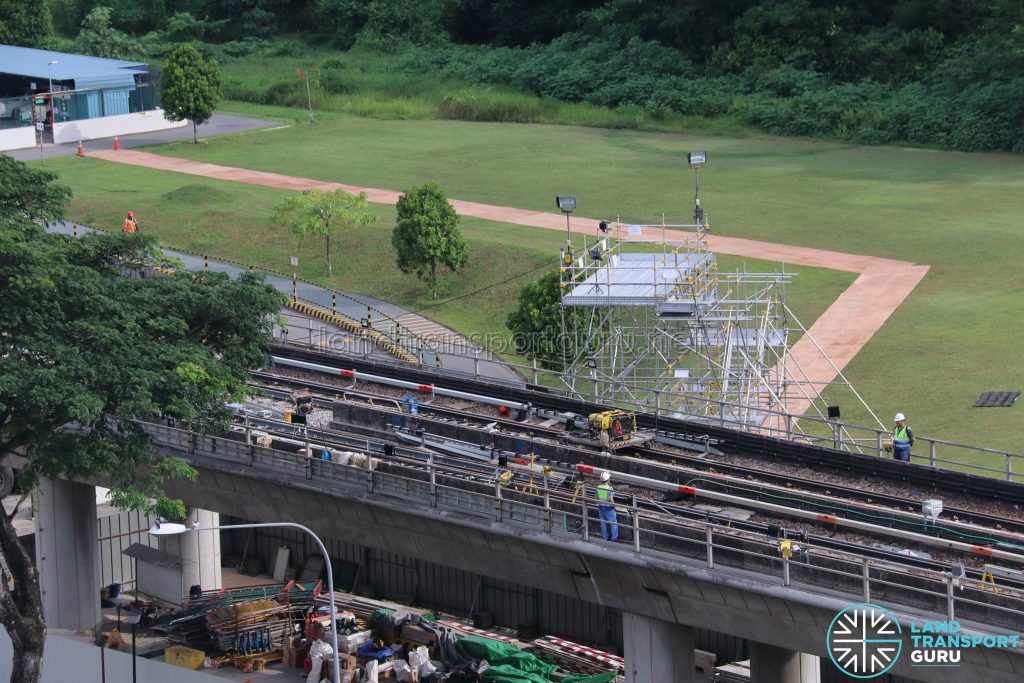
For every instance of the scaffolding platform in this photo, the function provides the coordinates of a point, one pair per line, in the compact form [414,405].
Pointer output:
[657,325]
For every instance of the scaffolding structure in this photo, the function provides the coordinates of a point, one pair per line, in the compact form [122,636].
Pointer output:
[666,330]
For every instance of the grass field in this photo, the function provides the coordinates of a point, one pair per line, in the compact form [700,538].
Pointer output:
[232,221]
[374,84]
[956,336]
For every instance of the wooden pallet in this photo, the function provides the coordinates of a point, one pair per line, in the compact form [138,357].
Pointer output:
[256,662]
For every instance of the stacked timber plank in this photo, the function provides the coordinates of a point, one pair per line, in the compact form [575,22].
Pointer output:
[572,657]
[461,629]
[361,607]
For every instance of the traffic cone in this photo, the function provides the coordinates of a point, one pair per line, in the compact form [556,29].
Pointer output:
[81,150]
[117,145]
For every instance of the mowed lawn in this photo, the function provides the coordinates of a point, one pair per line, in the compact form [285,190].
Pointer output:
[232,221]
[956,336]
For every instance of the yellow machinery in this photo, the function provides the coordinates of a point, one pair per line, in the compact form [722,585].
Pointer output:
[609,430]
[617,424]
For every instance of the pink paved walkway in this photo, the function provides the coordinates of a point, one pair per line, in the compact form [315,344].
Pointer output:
[841,331]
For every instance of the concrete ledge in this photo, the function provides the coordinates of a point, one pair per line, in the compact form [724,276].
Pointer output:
[17,138]
[109,126]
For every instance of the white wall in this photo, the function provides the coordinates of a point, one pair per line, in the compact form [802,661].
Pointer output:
[109,126]
[66,659]
[17,138]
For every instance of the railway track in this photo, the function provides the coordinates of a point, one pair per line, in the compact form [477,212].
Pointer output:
[697,468]
[300,437]
[741,481]
[946,482]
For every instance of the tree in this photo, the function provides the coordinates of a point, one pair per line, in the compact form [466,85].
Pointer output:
[24,22]
[98,37]
[83,345]
[536,322]
[427,234]
[189,87]
[322,214]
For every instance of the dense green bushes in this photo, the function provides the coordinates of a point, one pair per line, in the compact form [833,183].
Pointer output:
[954,107]
[930,73]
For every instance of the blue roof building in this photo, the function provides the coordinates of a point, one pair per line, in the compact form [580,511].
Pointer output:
[65,95]
[26,66]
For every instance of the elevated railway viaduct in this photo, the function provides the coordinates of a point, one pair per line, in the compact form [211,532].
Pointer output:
[665,587]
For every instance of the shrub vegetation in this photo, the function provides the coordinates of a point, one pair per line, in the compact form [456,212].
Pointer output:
[937,74]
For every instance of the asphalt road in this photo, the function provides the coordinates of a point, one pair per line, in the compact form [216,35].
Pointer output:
[219,124]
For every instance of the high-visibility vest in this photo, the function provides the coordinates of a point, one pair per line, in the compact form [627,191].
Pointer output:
[900,438]
[129,226]
[604,492]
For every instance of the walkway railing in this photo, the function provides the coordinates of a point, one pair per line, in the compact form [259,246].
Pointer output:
[570,516]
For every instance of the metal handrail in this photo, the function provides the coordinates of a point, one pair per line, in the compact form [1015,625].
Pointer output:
[439,489]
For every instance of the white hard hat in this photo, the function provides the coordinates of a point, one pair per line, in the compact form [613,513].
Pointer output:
[606,475]
[899,416]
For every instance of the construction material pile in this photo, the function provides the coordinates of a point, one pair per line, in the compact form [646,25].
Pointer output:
[252,627]
[191,627]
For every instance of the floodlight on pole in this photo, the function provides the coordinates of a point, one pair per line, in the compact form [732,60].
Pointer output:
[566,204]
[172,528]
[696,160]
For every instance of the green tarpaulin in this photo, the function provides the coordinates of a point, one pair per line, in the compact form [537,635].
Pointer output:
[511,665]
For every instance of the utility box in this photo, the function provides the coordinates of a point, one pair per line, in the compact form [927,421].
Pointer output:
[185,657]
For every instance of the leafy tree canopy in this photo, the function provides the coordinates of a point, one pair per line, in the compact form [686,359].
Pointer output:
[322,214]
[98,37]
[427,235]
[24,22]
[536,323]
[189,87]
[86,351]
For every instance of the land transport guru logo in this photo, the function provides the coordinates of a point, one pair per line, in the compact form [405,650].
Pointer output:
[865,640]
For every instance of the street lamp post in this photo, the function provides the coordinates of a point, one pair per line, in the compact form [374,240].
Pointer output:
[49,75]
[168,529]
[133,617]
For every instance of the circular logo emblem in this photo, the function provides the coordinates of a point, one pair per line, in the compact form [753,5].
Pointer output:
[864,641]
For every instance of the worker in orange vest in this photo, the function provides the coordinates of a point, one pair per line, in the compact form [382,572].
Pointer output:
[130,226]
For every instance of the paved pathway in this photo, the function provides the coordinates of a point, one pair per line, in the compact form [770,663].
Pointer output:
[840,332]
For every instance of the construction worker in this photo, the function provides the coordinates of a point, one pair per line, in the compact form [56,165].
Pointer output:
[130,226]
[902,439]
[606,507]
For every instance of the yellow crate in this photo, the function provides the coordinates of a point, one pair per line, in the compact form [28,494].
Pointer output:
[185,657]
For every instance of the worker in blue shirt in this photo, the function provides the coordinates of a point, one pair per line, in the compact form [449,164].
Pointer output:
[902,439]
[606,507]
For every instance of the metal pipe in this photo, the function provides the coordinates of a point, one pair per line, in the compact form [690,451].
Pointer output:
[380,379]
